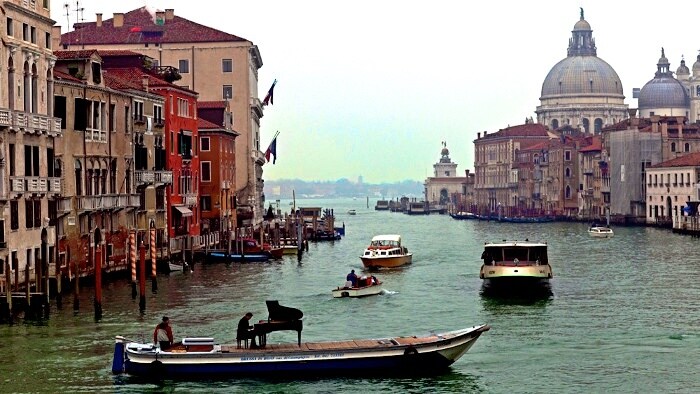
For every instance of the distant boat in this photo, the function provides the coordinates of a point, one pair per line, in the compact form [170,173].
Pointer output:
[352,212]
[382,205]
[463,216]
[515,263]
[600,232]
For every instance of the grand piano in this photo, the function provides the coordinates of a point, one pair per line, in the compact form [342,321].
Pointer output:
[279,318]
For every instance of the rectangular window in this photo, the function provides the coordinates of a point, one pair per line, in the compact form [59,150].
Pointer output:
[158,115]
[31,160]
[205,203]
[127,119]
[12,159]
[28,214]
[206,171]
[32,34]
[14,215]
[204,144]
[10,27]
[184,66]
[25,32]
[567,155]
[47,36]
[226,65]
[172,142]
[138,112]
[227,92]
[112,117]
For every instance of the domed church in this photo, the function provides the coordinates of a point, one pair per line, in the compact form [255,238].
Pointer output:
[665,95]
[582,90]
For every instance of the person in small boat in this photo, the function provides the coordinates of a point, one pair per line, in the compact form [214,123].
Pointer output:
[245,330]
[374,280]
[163,334]
[352,278]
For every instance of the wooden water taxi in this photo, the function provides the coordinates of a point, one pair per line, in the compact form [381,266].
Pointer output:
[515,263]
[600,232]
[386,251]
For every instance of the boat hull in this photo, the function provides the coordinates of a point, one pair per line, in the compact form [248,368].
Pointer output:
[380,356]
[238,258]
[386,261]
[514,275]
[342,292]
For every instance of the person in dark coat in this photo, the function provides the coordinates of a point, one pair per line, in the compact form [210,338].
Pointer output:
[487,258]
[245,330]
[352,277]
[163,334]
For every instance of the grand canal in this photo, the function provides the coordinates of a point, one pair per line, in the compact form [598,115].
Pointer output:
[622,315]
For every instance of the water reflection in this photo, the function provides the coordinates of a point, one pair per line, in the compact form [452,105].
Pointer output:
[494,299]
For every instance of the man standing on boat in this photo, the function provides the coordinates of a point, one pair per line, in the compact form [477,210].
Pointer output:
[352,278]
[245,331]
[163,334]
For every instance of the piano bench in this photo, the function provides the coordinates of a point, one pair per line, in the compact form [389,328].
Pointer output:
[245,343]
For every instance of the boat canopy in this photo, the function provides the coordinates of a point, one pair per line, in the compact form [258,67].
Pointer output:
[388,237]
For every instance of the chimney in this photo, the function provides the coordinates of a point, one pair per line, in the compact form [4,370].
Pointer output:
[169,14]
[98,21]
[632,112]
[160,18]
[144,82]
[56,37]
[118,20]
[478,136]
[484,133]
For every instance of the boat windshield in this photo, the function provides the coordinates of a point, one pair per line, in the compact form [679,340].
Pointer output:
[520,253]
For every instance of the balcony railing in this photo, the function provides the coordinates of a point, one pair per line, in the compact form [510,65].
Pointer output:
[165,177]
[225,185]
[588,171]
[189,199]
[35,185]
[258,156]
[95,135]
[143,177]
[107,201]
[30,123]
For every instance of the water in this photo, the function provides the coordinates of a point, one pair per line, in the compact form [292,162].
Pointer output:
[622,315]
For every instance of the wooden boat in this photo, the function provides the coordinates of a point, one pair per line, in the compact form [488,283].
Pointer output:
[600,232]
[204,358]
[289,249]
[463,216]
[386,251]
[174,267]
[366,286]
[237,257]
[515,263]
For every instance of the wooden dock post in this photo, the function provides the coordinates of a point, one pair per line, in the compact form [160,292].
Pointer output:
[132,260]
[59,297]
[154,280]
[7,314]
[142,276]
[76,287]
[97,255]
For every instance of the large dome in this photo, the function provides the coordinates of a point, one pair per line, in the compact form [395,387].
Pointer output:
[581,76]
[664,91]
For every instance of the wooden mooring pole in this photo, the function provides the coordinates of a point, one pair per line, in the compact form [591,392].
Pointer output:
[142,277]
[97,254]
[132,260]
[154,280]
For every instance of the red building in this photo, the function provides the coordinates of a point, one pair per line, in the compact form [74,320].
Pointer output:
[217,167]
[181,140]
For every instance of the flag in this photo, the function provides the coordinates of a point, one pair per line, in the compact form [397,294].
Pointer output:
[272,149]
[268,97]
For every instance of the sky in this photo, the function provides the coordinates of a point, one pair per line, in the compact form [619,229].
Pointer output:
[372,88]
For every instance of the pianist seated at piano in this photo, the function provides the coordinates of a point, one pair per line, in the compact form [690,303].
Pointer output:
[245,330]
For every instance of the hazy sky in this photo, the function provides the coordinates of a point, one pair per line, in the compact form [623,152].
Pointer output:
[370,88]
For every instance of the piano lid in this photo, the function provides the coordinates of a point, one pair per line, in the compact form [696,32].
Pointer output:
[280,312]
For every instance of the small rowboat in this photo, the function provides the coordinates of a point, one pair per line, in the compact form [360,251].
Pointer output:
[365,287]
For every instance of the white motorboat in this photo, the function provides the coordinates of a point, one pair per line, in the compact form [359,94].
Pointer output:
[600,232]
[386,251]
[366,286]
[352,212]
[515,263]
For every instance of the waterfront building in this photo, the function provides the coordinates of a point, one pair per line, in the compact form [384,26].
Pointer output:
[178,150]
[95,159]
[445,187]
[494,158]
[563,179]
[582,90]
[217,155]
[217,65]
[29,183]
[593,166]
[673,189]
[532,168]
[664,95]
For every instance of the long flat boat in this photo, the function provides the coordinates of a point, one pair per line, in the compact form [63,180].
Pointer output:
[202,357]
[238,258]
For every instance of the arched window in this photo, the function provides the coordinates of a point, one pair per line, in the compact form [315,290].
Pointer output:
[673,146]
[555,124]
[27,88]
[586,125]
[49,93]
[11,83]
[567,192]
[567,172]
[35,89]
[686,148]
[598,125]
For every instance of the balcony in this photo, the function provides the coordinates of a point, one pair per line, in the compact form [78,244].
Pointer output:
[108,201]
[258,156]
[588,171]
[225,185]
[30,123]
[144,177]
[163,177]
[128,201]
[95,135]
[256,105]
[189,199]
[139,119]
[35,185]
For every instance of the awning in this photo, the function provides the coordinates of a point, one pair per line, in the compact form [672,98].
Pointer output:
[184,211]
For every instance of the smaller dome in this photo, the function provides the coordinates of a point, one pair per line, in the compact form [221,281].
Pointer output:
[682,69]
[663,92]
[582,25]
[696,65]
[445,152]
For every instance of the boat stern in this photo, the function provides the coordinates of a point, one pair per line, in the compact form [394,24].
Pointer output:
[118,359]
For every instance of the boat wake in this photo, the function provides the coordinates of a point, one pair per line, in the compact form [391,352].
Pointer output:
[385,291]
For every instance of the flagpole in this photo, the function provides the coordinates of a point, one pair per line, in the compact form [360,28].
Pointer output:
[273,138]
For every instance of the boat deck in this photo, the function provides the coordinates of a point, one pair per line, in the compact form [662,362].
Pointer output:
[339,345]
